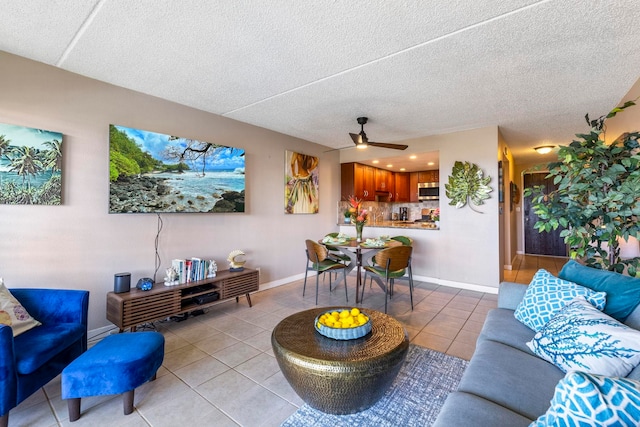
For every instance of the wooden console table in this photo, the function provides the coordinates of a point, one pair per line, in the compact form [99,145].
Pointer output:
[136,307]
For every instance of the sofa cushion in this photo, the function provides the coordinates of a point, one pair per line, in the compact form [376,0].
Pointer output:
[581,399]
[519,381]
[547,294]
[501,326]
[36,347]
[623,292]
[582,338]
[13,314]
[464,409]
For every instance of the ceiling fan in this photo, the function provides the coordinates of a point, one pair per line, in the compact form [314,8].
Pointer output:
[361,140]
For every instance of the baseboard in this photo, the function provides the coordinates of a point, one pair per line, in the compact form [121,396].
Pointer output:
[459,285]
[284,281]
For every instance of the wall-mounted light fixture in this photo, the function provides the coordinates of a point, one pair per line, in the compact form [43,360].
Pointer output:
[544,149]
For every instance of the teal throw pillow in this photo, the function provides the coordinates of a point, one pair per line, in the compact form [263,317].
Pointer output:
[582,399]
[547,294]
[580,337]
[623,292]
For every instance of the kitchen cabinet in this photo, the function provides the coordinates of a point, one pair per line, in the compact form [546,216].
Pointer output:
[385,185]
[429,176]
[402,188]
[368,182]
[382,179]
[391,186]
[413,186]
[358,180]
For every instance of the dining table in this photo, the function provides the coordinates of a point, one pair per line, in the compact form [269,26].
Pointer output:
[359,253]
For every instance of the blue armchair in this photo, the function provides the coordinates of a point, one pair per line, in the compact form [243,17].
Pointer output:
[33,358]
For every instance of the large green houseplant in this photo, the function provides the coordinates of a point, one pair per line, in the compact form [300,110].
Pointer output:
[597,201]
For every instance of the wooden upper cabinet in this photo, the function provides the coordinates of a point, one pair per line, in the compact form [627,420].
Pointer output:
[413,187]
[357,180]
[369,182]
[383,179]
[402,187]
[391,186]
[429,176]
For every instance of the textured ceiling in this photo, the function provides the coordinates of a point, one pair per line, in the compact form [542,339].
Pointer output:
[310,68]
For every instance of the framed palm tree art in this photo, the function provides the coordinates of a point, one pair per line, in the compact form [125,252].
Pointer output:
[30,166]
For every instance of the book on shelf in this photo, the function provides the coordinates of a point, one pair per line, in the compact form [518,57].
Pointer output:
[191,270]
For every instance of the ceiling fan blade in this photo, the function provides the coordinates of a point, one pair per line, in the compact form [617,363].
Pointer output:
[388,145]
[357,138]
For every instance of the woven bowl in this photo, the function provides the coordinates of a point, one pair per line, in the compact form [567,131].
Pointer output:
[342,333]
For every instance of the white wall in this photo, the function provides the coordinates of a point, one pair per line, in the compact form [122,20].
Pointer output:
[79,245]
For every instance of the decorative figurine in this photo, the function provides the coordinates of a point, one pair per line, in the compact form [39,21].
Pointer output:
[213,267]
[236,260]
[172,277]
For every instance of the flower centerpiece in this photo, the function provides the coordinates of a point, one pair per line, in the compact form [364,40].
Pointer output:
[358,215]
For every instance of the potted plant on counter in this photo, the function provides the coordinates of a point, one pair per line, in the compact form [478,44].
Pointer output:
[347,216]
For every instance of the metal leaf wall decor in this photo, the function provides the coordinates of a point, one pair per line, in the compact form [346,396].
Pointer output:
[467,185]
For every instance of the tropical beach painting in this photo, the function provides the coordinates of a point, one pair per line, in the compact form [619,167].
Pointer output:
[152,172]
[30,166]
[301,183]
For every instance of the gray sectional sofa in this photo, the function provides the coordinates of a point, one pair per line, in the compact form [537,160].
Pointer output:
[505,383]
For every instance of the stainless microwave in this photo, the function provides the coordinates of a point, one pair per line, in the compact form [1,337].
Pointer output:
[428,191]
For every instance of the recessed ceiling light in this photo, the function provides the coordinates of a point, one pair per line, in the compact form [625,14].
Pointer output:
[375,162]
[430,164]
[389,165]
[413,157]
[402,169]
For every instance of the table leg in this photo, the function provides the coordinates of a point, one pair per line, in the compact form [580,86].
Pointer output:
[359,277]
[353,257]
[362,259]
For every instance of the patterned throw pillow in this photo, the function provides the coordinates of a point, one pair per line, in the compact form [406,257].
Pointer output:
[547,294]
[582,338]
[13,314]
[583,400]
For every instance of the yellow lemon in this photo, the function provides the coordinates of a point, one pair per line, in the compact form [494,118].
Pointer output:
[355,311]
[344,314]
[335,314]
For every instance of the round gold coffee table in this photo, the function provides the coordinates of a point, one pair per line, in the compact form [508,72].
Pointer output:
[339,377]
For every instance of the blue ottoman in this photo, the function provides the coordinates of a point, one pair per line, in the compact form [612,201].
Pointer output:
[117,364]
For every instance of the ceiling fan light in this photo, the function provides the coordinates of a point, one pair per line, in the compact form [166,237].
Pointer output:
[544,149]
[362,145]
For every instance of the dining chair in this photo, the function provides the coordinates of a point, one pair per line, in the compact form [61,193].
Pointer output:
[335,254]
[318,260]
[391,263]
[406,241]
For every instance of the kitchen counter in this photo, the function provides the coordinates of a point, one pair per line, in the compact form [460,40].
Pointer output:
[398,224]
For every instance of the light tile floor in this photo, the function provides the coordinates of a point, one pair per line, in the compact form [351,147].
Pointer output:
[219,368]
